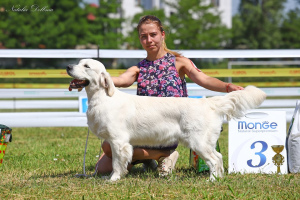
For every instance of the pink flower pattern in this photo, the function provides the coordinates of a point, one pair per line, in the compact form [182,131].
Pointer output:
[160,78]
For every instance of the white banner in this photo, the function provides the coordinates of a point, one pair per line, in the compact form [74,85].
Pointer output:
[257,143]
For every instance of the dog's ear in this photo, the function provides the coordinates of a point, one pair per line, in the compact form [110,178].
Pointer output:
[107,83]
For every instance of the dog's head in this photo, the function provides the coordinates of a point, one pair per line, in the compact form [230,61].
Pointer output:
[90,73]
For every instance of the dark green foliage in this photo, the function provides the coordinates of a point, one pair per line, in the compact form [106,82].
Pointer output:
[195,26]
[53,24]
[67,24]
[192,26]
[105,30]
[290,30]
[258,24]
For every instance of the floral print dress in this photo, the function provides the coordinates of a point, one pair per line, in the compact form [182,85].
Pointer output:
[160,78]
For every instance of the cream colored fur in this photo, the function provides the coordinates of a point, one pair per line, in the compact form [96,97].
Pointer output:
[126,120]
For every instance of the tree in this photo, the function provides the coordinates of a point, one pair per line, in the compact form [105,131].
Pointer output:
[290,30]
[196,25]
[257,26]
[192,26]
[105,29]
[59,24]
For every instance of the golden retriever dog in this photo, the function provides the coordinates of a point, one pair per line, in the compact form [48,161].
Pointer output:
[126,120]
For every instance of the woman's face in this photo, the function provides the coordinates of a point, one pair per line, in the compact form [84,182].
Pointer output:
[151,37]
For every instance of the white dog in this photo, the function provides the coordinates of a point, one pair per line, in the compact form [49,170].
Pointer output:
[126,120]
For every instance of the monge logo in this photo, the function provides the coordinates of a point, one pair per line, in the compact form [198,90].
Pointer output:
[257,125]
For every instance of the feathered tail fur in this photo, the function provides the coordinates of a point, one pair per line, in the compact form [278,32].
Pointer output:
[235,104]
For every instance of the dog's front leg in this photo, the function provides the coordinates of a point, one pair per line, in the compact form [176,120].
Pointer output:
[121,157]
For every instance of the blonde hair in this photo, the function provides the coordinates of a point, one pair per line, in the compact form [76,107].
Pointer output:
[152,19]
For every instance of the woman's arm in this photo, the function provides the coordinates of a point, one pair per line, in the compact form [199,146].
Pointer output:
[204,80]
[127,78]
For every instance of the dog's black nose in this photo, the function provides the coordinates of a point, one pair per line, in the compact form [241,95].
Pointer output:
[69,67]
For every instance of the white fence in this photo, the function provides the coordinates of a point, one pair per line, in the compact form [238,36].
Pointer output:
[112,53]
[61,119]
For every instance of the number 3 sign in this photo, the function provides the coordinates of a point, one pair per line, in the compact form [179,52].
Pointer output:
[257,143]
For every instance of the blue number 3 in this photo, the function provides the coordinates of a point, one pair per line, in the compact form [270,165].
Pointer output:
[263,158]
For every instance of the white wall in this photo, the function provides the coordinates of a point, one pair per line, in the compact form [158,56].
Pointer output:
[226,9]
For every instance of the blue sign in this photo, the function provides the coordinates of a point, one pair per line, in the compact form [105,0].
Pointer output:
[197,97]
[83,104]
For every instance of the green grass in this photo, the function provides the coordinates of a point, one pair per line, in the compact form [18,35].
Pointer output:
[41,163]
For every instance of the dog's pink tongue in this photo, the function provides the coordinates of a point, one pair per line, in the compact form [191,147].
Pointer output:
[70,88]
[72,84]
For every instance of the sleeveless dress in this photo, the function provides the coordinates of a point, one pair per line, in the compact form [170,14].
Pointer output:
[160,78]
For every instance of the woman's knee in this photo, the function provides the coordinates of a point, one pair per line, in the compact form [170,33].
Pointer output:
[107,149]
[104,165]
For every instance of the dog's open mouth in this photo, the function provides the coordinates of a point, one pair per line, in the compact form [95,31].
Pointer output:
[78,84]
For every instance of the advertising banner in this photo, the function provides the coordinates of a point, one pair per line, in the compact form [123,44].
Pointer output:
[257,143]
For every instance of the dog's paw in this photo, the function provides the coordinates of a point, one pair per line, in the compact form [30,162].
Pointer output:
[114,178]
[212,179]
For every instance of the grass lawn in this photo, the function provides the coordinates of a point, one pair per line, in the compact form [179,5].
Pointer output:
[41,163]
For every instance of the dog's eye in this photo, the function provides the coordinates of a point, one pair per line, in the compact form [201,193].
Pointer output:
[86,66]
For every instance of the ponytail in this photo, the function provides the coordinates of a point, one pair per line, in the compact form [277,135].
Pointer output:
[176,54]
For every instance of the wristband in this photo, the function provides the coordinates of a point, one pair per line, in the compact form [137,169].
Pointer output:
[227,87]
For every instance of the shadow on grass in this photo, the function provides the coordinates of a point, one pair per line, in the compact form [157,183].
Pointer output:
[179,173]
[137,172]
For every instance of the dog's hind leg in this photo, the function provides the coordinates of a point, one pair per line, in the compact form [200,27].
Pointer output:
[207,153]
[219,166]
[121,157]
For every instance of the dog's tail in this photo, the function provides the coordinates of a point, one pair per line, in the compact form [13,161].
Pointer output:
[235,104]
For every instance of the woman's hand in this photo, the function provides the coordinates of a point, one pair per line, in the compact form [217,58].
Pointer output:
[231,87]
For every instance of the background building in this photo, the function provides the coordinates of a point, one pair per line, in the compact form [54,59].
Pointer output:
[132,7]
